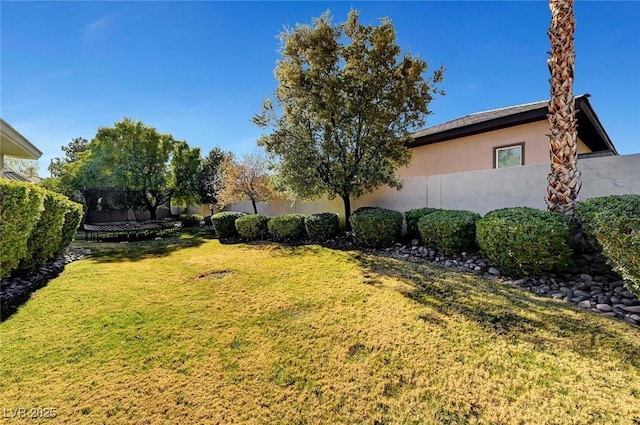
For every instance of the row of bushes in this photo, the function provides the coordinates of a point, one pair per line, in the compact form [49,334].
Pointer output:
[36,225]
[288,227]
[519,241]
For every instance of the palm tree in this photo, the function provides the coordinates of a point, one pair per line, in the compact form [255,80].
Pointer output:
[564,177]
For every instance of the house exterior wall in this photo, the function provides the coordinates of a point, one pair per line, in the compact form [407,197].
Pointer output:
[473,153]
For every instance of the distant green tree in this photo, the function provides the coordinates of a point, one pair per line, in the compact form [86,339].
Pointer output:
[73,171]
[210,176]
[186,164]
[347,100]
[136,156]
[72,153]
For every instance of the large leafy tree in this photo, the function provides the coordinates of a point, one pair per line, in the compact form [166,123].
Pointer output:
[564,177]
[245,180]
[346,102]
[136,156]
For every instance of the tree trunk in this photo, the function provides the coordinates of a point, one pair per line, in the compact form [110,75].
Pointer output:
[564,177]
[347,212]
[151,206]
[255,209]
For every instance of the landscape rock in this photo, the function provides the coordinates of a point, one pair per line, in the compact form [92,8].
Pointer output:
[494,271]
[15,291]
[585,304]
[591,285]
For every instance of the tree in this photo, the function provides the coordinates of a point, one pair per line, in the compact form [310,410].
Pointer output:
[347,100]
[72,153]
[186,164]
[564,177]
[245,180]
[73,171]
[136,156]
[27,167]
[210,176]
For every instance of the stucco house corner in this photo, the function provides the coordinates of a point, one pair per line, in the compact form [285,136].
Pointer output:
[500,138]
[15,145]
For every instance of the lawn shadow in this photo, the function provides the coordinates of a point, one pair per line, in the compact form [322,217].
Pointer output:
[507,312]
[110,252]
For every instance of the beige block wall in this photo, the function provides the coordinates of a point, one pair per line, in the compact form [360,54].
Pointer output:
[473,153]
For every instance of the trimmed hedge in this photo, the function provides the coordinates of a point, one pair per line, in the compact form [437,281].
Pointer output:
[207,221]
[525,241]
[45,239]
[72,219]
[253,227]
[412,217]
[449,230]
[376,227]
[20,207]
[612,224]
[191,220]
[224,223]
[587,211]
[287,227]
[322,226]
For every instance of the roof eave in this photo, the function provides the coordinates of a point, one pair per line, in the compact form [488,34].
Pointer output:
[481,127]
[584,106]
[591,125]
[22,148]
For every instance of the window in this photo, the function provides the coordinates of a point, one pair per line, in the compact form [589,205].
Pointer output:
[508,156]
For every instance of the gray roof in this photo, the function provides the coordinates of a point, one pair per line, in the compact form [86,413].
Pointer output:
[480,117]
[590,130]
[14,175]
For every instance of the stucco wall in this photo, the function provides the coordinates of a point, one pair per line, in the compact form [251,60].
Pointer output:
[486,190]
[480,191]
[475,152]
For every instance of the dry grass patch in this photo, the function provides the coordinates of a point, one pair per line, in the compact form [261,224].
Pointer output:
[307,335]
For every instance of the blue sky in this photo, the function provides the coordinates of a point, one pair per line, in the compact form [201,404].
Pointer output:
[200,70]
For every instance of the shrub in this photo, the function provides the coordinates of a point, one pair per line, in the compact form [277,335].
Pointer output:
[376,227]
[587,211]
[191,220]
[449,230]
[20,207]
[412,217]
[224,223]
[612,223]
[287,227]
[322,226]
[207,221]
[363,209]
[253,227]
[524,241]
[72,219]
[46,238]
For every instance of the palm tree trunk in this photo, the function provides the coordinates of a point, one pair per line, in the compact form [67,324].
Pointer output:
[564,177]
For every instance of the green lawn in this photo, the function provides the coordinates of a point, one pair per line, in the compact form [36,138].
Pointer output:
[200,332]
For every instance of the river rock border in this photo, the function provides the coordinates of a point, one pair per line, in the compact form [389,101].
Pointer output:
[16,291]
[589,285]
